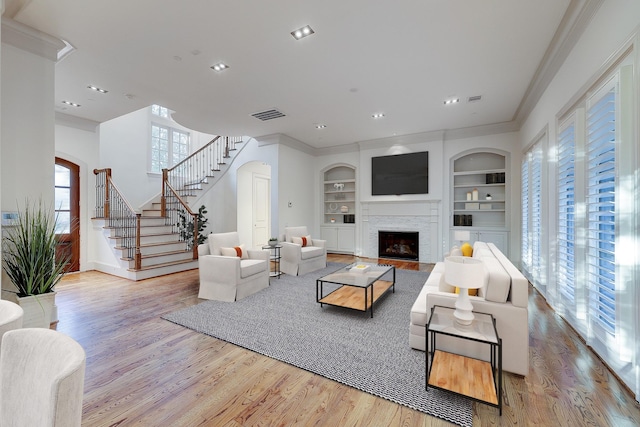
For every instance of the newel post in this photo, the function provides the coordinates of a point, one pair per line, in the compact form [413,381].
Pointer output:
[138,259]
[106,193]
[195,236]
[163,199]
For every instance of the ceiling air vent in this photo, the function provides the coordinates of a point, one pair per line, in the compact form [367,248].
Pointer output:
[474,98]
[268,115]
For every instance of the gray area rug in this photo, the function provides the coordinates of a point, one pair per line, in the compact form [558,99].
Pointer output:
[286,323]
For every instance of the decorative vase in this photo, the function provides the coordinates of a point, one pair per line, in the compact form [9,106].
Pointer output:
[344,209]
[38,310]
[273,242]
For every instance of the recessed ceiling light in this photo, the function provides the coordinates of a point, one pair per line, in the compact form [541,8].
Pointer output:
[377,115]
[73,104]
[451,101]
[97,89]
[220,66]
[302,32]
[321,126]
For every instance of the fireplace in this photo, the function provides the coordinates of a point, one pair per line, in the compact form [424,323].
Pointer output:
[398,244]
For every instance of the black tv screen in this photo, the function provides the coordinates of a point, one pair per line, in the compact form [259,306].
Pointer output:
[400,174]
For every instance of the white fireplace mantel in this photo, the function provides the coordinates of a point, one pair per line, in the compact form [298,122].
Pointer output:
[420,216]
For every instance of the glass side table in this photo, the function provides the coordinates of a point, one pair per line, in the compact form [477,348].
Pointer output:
[462,375]
[274,259]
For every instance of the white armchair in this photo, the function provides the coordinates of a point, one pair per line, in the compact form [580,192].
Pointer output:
[41,378]
[11,315]
[298,259]
[230,278]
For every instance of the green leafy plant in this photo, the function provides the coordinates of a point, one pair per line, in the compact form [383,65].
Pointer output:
[185,226]
[273,239]
[29,251]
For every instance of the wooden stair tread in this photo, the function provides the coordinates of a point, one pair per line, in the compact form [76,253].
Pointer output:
[164,264]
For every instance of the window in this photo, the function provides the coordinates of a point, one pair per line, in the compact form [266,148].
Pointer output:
[62,199]
[160,111]
[168,147]
[601,212]
[566,212]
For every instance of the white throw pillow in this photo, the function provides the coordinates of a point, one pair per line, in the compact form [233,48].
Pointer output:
[236,251]
[303,240]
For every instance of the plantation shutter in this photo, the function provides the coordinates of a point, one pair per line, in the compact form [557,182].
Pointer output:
[525,249]
[566,213]
[601,238]
[536,212]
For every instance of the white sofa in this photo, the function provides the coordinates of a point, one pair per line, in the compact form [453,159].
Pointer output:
[504,294]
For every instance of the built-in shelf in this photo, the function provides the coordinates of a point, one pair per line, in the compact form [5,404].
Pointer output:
[486,173]
[339,194]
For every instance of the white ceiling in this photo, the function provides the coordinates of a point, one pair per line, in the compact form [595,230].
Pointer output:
[403,58]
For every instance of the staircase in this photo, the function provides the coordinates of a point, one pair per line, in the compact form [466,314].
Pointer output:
[150,244]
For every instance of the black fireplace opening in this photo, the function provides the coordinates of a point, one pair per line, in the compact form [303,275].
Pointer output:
[398,245]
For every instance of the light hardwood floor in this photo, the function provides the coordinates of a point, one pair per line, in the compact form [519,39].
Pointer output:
[145,371]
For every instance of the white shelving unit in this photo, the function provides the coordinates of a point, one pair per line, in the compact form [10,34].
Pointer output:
[485,219]
[339,209]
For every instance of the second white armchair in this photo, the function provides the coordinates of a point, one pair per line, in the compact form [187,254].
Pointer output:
[302,254]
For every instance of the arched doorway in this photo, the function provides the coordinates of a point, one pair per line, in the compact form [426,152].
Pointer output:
[67,208]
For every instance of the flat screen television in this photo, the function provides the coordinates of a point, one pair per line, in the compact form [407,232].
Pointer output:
[400,174]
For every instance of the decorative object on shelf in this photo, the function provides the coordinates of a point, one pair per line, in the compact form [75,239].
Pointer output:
[339,196]
[462,220]
[485,207]
[465,273]
[339,186]
[488,196]
[333,207]
[468,195]
[472,206]
[273,241]
[475,194]
[344,209]
[333,220]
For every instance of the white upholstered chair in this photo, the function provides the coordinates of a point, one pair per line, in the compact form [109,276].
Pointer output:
[298,259]
[226,277]
[11,315]
[41,379]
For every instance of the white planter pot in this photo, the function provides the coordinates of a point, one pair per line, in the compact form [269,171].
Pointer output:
[38,310]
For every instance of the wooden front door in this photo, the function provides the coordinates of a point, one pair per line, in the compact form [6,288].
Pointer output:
[67,207]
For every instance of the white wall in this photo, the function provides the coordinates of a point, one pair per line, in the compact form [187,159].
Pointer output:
[27,163]
[297,203]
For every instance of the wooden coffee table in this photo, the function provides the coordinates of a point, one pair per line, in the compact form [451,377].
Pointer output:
[357,290]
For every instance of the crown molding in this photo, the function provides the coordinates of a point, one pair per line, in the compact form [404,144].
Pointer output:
[76,122]
[281,138]
[474,131]
[30,40]
[575,20]
[414,138]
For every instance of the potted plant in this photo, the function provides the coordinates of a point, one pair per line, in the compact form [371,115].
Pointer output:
[29,259]
[273,241]
[185,227]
